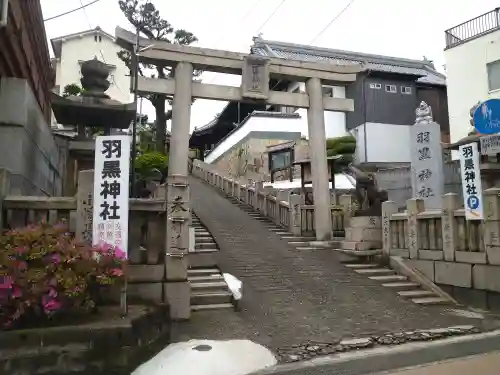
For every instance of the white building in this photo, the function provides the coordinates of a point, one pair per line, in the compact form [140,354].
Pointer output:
[71,50]
[473,68]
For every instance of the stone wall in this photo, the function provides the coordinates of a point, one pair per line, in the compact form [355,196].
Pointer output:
[248,159]
[443,245]
[397,182]
[28,148]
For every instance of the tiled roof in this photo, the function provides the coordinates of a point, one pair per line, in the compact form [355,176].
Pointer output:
[423,68]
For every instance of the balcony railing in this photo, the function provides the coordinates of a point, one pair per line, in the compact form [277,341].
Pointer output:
[473,28]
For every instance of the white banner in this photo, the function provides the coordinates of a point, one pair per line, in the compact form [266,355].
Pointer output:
[471,181]
[111,191]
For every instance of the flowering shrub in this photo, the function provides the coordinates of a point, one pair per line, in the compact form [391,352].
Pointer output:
[45,273]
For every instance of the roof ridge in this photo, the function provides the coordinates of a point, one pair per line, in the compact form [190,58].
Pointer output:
[352,55]
[88,31]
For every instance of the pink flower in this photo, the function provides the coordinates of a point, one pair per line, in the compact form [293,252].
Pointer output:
[52,293]
[5,282]
[56,258]
[21,265]
[20,250]
[119,253]
[16,292]
[51,306]
[116,272]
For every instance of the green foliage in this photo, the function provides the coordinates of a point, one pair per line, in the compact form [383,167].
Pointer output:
[72,90]
[345,146]
[148,162]
[45,274]
[143,15]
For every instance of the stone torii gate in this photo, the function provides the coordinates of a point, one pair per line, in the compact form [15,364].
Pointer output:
[256,72]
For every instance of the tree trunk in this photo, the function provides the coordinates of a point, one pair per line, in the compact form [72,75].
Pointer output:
[161,124]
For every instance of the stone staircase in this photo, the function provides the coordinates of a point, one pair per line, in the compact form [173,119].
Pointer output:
[400,284]
[209,291]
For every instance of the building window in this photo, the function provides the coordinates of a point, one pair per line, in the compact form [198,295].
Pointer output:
[391,88]
[406,90]
[376,86]
[493,75]
[328,91]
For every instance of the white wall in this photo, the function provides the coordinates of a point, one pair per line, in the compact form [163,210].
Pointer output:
[385,143]
[335,122]
[467,79]
[86,48]
[257,123]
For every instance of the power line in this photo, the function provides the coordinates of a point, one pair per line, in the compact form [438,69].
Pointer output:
[86,14]
[337,16]
[271,16]
[260,28]
[70,11]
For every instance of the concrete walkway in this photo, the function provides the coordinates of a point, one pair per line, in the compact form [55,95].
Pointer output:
[291,297]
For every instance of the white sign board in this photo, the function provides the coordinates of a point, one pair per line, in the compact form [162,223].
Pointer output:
[471,181]
[111,191]
[427,164]
[490,144]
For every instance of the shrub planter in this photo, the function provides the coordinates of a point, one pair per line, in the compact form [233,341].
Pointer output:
[104,343]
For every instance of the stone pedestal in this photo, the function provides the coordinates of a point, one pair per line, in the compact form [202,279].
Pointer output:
[364,233]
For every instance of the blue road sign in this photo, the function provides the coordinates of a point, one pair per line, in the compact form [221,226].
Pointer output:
[472,202]
[487,117]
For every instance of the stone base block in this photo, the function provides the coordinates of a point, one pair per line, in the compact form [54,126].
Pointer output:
[493,255]
[365,222]
[456,274]
[151,292]
[486,277]
[202,258]
[359,234]
[470,257]
[430,254]
[145,273]
[403,253]
[178,296]
[426,267]
[176,268]
[366,245]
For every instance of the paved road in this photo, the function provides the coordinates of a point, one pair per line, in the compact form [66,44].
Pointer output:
[485,364]
[293,296]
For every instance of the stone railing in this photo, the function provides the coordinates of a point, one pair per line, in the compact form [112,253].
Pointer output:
[443,245]
[146,237]
[282,207]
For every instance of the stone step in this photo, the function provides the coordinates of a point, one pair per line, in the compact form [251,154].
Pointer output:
[211,307]
[212,245]
[365,245]
[205,278]
[388,278]
[361,265]
[204,240]
[417,293]
[298,238]
[430,301]
[307,248]
[298,243]
[214,298]
[401,285]
[213,286]
[203,271]
[375,271]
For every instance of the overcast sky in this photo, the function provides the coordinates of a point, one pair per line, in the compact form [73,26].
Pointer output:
[401,28]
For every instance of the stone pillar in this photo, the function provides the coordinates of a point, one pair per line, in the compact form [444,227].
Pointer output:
[282,195]
[4,191]
[319,165]
[388,208]
[492,225]
[449,225]
[177,291]
[258,189]
[414,206]
[84,206]
[345,200]
[295,221]
[267,190]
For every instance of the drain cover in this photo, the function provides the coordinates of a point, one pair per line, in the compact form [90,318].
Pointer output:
[202,348]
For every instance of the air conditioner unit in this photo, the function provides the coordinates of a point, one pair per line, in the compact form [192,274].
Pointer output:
[4,7]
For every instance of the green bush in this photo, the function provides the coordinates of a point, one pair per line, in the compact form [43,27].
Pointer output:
[45,274]
[345,146]
[148,161]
